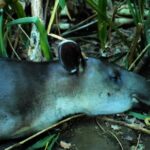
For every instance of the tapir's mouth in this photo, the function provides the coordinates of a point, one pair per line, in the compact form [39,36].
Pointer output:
[139,98]
[135,98]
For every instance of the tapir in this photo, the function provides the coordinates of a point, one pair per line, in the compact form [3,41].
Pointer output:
[33,95]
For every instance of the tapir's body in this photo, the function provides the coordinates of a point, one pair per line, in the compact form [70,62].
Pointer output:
[35,95]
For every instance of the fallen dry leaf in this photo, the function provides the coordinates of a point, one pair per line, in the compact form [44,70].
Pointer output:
[65,145]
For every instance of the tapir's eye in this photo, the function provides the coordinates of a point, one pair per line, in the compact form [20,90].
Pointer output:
[115,75]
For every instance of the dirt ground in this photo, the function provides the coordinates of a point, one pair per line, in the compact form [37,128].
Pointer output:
[86,134]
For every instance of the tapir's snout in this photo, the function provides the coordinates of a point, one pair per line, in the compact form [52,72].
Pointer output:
[142,93]
[138,86]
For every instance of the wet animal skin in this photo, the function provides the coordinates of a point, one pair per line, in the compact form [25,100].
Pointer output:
[35,95]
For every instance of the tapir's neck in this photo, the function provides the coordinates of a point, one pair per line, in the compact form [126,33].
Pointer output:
[62,106]
[66,106]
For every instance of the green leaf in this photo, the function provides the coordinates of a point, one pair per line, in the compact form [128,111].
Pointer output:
[3,51]
[43,142]
[147,31]
[43,35]
[50,146]
[102,24]
[137,10]
[17,7]
[62,3]
[138,115]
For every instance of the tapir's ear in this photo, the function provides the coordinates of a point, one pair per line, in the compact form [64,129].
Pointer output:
[70,56]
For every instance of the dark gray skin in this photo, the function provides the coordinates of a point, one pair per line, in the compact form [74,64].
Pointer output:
[33,96]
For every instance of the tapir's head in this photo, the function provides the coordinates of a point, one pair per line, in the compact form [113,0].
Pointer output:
[107,88]
[113,89]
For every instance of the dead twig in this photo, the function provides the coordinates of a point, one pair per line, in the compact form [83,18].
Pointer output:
[109,132]
[99,125]
[139,137]
[132,126]
[139,56]
[116,139]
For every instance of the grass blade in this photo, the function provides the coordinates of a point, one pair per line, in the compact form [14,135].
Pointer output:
[43,35]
